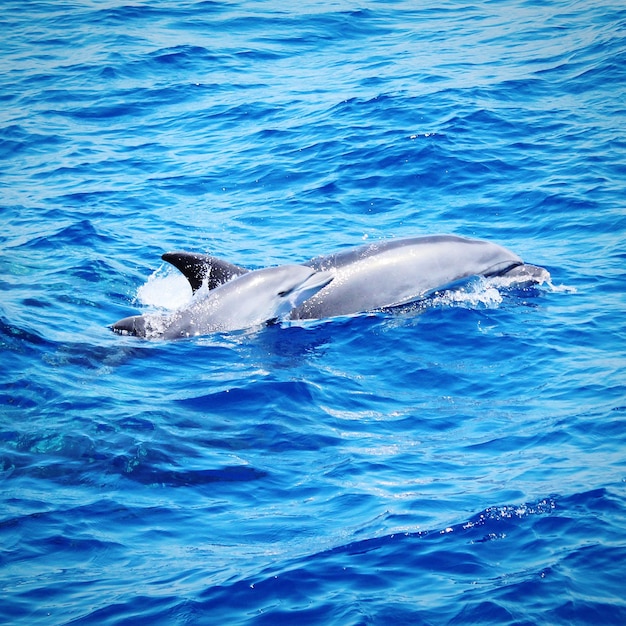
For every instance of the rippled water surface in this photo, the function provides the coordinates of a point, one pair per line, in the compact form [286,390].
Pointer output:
[462,462]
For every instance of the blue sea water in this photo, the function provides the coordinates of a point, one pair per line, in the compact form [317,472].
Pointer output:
[461,464]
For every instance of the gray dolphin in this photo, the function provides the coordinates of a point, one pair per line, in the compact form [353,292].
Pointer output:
[381,275]
[249,300]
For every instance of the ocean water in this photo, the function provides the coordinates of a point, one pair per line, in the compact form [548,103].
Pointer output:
[460,463]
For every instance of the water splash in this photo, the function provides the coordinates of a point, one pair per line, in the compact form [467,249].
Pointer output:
[476,294]
[164,289]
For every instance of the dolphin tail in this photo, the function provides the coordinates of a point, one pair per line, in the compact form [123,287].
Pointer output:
[200,267]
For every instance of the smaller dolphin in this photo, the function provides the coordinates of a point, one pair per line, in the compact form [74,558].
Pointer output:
[248,300]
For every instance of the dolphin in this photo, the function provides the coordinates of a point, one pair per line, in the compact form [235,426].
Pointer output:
[381,275]
[247,300]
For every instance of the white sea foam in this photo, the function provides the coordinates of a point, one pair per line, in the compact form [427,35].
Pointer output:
[165,289]
[477,293]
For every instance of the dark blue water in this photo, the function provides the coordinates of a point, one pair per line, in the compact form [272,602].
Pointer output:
[464,463]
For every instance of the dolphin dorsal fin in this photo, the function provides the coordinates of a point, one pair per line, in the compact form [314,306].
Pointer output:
[198,267]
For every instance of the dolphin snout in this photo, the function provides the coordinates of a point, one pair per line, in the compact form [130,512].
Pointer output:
[133,325]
